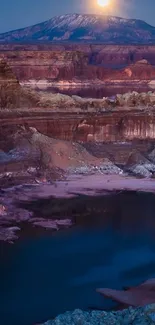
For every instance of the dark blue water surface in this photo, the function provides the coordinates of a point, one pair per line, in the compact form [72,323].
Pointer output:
[45,275]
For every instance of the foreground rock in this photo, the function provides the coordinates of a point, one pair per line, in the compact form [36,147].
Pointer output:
[141,316]
[139,165]
[142,295]
[36,158]
[40,158]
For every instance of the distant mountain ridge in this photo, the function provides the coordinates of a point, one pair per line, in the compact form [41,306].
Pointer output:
[85,28]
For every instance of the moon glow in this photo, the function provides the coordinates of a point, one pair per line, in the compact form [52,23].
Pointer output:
[103,3]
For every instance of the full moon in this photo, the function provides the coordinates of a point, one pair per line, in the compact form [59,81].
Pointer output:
[103,3]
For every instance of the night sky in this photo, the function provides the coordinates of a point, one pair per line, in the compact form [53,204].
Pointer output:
[21,13]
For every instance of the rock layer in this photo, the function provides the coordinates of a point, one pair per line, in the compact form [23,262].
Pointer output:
[74,64]
[12,95]
[107,127]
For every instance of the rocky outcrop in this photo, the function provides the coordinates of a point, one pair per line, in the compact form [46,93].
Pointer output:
[140,165]
[12,95]
[53,154]
[140,70]
[141,295]
[9,86]
[34,156]
[85,28]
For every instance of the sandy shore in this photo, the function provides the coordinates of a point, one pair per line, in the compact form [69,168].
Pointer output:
[93,185]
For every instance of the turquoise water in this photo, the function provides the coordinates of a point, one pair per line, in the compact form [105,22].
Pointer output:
[44,275]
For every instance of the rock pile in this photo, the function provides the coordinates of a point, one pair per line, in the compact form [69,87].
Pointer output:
[139,165]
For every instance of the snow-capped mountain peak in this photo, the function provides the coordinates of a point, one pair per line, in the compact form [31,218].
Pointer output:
[85,28]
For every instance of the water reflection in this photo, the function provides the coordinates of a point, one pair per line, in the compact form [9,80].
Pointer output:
[47,275]
[97,92]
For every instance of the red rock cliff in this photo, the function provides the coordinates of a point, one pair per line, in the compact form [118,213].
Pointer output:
[80,62]
[118,126]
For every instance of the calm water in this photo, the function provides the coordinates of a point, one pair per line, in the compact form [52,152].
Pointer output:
[45,275]
[98,92]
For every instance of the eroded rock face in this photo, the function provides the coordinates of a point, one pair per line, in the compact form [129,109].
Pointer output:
[75,64]
[39,158]
[12,95]
[118,125]
[66,156]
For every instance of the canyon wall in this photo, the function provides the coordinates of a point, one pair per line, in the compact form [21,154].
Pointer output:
[71,62]
[119,126]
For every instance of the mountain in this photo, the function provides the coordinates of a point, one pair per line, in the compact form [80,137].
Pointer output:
[85,28]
